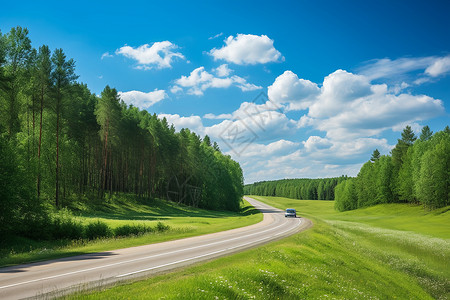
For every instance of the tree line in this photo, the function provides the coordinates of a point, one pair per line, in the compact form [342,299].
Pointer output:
[59,143]
[303,188]
[416,171]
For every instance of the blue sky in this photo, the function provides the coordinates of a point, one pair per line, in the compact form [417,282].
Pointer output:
[341,77]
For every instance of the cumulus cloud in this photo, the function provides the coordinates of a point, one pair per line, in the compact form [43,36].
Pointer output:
[338,92]
[223,70]
[251,123]
[380,112]
[199,80]
[160,55]
[349,106]
[217,117]
[280,148]
[247,49]
[194,123]
[293,161]
[346,114]
[244,85]
[141,99]
[317,143]
[343,122]
[289,89]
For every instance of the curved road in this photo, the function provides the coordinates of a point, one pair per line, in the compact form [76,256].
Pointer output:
[81,272]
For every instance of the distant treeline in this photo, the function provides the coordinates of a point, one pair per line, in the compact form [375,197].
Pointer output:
[60,143]
[417,171]
[304,189]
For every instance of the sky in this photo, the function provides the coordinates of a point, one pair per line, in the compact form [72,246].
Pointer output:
[289,89]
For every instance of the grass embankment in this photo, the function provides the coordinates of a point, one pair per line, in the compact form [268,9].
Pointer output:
[383,252]
[182,221]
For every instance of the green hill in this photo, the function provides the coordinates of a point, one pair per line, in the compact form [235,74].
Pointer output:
[382,252]
[134,222]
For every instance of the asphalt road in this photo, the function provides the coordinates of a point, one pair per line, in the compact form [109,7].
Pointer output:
[60,276]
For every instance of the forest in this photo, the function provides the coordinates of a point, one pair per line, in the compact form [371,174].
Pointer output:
[416,171]
[60,143]
[302,189]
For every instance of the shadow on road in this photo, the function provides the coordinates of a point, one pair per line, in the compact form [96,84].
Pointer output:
[23,268]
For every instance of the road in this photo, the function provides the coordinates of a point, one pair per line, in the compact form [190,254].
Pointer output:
[60,276]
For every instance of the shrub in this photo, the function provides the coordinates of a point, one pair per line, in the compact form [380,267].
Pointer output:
[65,226]
[160,227]
[98,229]
[134,229]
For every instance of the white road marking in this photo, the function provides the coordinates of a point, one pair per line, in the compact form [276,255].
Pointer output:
[152,256]
[200,256]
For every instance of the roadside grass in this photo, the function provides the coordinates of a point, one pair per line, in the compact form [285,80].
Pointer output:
[182,221]
[373,253]
[404,217]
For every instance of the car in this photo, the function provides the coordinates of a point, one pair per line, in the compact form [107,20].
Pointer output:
[290,212]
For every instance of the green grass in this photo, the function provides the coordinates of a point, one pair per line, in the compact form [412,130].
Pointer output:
[403,217]
[383,252]
[184,222]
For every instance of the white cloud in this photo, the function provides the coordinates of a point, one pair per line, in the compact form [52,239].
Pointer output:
[421,80]
[385,68]
[176,89]
[351,112]
[397,88]
[345,118]
[439,67]
[432,66]
[314,143]
[293,161]
[244,85]
[106,55]
[200,80]
[247,49]
[141,99]
[194,123]
[417,128]
[338,92]
[223,70]
[217,117]
[375,113]
[279,148]
[289,89]
[216,36]
[251,123]
[159,55]
[348,106]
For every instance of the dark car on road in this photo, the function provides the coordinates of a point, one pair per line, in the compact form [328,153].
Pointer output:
[290,212]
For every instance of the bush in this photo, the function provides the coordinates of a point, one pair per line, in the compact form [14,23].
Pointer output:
[135,229]
[138,229]
[98,229]
[160,227]
[65,226]
[36,226]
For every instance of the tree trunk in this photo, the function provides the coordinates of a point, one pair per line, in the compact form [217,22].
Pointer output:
[39,146]
[57,157]
[104,187]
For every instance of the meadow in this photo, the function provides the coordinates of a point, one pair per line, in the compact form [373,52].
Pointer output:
[165,220]
[393,251]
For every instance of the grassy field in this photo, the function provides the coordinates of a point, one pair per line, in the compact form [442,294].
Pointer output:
[385,252]
[183,221]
